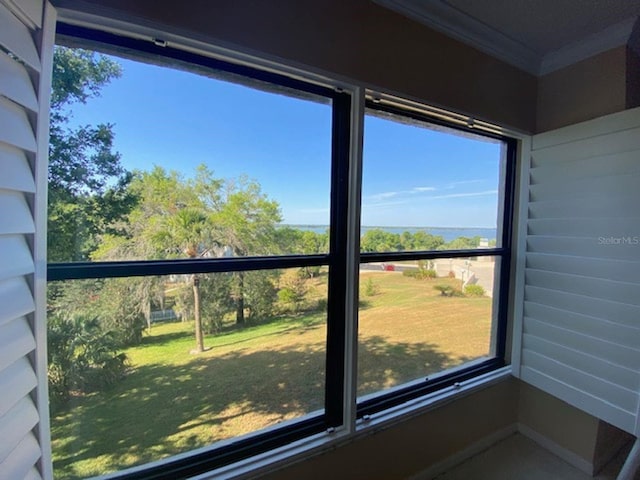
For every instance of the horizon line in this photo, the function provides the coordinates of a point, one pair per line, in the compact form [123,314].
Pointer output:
[389,226]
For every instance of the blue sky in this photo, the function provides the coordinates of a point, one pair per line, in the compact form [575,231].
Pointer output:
[411,176]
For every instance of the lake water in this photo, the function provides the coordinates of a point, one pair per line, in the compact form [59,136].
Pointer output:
[447,233]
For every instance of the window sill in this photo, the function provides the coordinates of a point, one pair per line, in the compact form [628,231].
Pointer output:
[369,425]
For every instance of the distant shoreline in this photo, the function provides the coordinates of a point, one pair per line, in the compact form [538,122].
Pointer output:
[388,227]
[448,233]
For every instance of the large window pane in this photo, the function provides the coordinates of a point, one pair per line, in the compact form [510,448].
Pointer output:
[160,163]
[427,187]
[128,384]
[422,318]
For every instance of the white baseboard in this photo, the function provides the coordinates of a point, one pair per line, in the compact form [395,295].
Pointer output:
[459,457]
[558,450]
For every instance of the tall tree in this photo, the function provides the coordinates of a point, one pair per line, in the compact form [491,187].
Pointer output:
[87,183]
[169,221]
[246,221]
[188,229]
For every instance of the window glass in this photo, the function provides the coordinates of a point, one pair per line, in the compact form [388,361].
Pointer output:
[130,383]
[164,164]
[150,162]
[424,317]
[427,187]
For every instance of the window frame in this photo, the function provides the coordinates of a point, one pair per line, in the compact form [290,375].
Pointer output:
[342,411]
[384,400]
[261,441]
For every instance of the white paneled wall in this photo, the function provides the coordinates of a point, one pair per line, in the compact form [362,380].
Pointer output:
[580,328]
[26,30]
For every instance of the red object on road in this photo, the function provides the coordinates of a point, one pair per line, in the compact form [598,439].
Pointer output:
[389,268]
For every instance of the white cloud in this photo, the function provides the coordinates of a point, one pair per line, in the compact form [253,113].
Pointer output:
[463,182]
[461,195]
[386,195]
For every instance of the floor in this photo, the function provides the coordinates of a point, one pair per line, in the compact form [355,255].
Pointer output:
[519,458]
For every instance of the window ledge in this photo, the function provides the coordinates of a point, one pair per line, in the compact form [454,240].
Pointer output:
[369,425]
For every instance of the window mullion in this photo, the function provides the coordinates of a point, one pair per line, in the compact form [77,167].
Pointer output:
[335,363]
[353,260]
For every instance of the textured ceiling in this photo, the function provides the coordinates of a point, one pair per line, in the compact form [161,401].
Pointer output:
[547,25]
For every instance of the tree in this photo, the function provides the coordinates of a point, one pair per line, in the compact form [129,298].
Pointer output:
[169,221]
[462,243]
[201,217]
[246,222]
[292,292]
[87,194]
[187,228]
[426,241]
[87,184]
[302,242]
[377,240]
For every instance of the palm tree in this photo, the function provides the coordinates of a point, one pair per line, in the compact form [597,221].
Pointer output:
[188,231]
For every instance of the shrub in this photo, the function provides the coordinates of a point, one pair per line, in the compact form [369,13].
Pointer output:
[82,357]
[321,305]
[429,273]
[445,290]
[421,273]
[370,288]
[260,293]
[292,293]
[474,291]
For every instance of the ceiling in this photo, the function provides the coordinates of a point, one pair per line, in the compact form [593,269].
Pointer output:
[538,36]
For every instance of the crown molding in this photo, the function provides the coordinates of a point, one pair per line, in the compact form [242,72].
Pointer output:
[441,16]
[454,23]
[611,37]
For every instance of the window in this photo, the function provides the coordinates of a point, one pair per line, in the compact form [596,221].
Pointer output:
[199,292]
[434,245]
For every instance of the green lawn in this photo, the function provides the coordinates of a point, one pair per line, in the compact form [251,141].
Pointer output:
[258,376]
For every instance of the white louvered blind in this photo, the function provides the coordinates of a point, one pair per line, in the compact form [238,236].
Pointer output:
[581,321]
[26,47]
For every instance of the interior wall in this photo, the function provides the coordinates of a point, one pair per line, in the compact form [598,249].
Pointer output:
[410,447]
[587,89]
[566,426]
[358,39]
[609,442]
[593,440]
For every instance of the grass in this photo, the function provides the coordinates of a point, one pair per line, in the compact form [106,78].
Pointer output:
[260,375]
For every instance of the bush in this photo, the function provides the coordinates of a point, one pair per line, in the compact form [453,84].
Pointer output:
[429,273]
[474,291]
[370,288]
[321,305]
[421,273]
[447,290]
[292,293]
[260,293]
[82,357]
